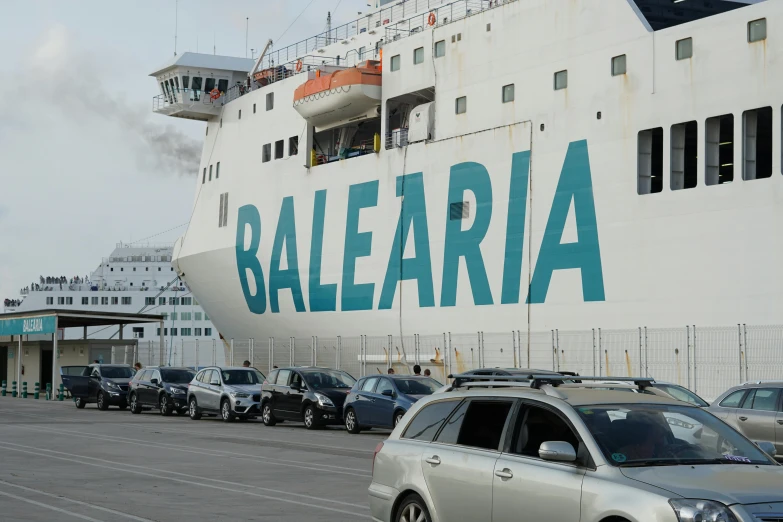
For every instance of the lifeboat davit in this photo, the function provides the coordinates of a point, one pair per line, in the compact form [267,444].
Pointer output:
[340,97]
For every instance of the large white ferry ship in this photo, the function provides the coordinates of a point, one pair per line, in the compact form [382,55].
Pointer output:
[500,166]
[133,279]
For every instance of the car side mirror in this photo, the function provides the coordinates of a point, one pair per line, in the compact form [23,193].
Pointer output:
[557,451]
[388,393]
[766,447]
[214,382]
[154,381]
[296,386]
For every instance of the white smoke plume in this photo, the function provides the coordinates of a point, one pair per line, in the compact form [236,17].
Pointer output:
[77,85]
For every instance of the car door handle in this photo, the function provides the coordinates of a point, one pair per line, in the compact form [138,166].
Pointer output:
[504,474]
[434,460]
[743,418]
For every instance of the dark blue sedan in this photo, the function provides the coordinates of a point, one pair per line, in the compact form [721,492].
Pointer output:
[382,400]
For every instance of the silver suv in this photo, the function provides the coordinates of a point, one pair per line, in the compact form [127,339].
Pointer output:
[556,453]
[755,409]
[232,393]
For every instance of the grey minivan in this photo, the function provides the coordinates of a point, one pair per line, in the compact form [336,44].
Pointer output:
[231,392]
[557,454]
[755,410]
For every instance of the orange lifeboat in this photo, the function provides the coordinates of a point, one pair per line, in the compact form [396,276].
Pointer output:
[340,97]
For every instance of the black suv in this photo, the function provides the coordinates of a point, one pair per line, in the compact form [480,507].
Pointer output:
[313,395]
[103,384]
[162,388]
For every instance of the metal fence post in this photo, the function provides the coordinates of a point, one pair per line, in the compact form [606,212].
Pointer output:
[196,352]
[695,365]
[594,351]
[271,353]
[514,347]
[745,342]
[646,366]
[252,352]
[314,350]
[739,345]
[553,351]
[600,355]
[641,372]
[450,352]
[390,360]
[291,348]
[688,353]
[339,349]
[149,353]
[113,355]
[231,354]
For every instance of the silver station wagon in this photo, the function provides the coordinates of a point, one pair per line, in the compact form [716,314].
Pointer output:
[549,452]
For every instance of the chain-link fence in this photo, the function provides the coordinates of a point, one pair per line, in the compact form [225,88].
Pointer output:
[708,360]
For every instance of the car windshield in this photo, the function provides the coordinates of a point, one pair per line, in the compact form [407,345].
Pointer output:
[328,379]
[666,435]
[177,376]
[682,394]
[117,372]
[240,377]
[417,386]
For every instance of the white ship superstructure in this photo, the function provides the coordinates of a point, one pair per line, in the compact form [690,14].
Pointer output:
[133,279]
[498,166]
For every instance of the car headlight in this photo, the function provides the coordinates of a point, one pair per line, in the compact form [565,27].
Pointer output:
[239,395]
[680,423]
[323,400]
[112,385]
[177,391]
[693,510]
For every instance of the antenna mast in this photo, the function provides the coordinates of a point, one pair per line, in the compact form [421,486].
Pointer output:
[247,26]
[328,27]
[176,20]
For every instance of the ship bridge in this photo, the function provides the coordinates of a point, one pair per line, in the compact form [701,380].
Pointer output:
[196,86]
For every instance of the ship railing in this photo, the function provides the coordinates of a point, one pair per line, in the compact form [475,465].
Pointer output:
[397,138]
[442,15]
[366,24]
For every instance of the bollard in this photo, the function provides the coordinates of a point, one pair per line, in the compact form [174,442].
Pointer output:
[13,389]
[37,393]
[24,389]
[3,390]
[49,391]
[62,392]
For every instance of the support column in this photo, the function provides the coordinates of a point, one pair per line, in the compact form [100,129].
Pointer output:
[55,352]
[121,329]
[19,368]
[85,332]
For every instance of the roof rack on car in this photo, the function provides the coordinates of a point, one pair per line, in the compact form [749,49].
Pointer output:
[536,381]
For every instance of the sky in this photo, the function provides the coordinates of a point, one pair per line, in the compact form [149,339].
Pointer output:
[85,163]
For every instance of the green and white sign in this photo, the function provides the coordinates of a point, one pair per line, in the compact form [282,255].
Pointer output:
[32,325]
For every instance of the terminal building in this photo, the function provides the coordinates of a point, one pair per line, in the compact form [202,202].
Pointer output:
[33,345]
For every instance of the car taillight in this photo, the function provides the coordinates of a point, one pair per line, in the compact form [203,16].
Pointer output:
[377,450]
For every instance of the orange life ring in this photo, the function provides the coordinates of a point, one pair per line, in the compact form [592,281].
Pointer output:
[299,66]
[214,94]
[431,19]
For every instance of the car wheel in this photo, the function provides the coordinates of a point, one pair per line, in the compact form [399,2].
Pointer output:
[103,404]
[413,509]
[135,407]
[267,416]
[165,405]
[398,417]
[225,411]
[80,402]
[193,410]
[310,419]
[351,422]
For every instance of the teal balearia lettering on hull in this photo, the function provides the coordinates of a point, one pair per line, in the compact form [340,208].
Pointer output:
[574,187]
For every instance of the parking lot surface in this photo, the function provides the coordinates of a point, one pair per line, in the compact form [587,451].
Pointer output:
[61,463]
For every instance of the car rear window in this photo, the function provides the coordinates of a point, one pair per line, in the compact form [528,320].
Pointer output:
[117,372]
[429,419]
[480,425]
[733,400]
[177,376]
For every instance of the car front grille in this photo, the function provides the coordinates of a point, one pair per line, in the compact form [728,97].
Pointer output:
[256,397]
